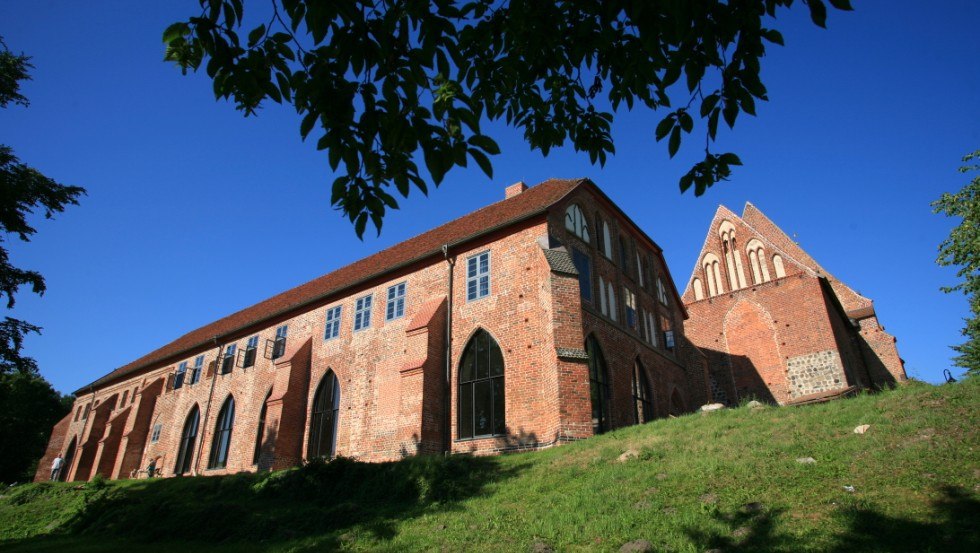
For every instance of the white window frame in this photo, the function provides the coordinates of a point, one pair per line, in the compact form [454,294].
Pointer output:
[362,312]
[332,328]
[478,275]
[395,306]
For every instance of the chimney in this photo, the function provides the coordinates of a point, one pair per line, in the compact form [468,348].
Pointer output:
[514,189]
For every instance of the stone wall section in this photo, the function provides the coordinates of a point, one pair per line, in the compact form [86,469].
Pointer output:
[814,373]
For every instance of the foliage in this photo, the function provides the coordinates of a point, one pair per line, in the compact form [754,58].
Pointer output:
[962,249]
[24,189]
[390,83]
[728,480]
[29,407]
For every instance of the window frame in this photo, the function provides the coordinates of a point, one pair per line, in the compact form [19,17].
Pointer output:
[228,359]
[197,369]
[179,375]
[362,312]
[251,352]
[584,277]
[476,278]
[575,216]
[221,438]
[395,305]
[331,328]
[279,342]
[490,383]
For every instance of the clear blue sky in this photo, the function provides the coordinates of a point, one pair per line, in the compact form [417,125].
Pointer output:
[194,212]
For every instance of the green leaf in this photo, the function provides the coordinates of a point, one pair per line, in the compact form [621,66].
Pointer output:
[675,141]
[307,124]
[773,36]
[485,142]
[818,12]
[663,128]
[730,159]
[687,123]
[844,5]
[255,35]
[175,31]
[483,161]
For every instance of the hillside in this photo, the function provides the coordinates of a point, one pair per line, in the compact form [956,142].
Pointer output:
[727,481]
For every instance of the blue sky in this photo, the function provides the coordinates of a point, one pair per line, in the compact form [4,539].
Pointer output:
[194,212]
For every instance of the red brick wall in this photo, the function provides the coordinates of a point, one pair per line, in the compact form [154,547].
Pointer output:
[56,446]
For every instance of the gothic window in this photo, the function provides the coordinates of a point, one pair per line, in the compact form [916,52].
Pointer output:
[260,433]
[613,312]
[576,223]
[624,255]
[698,289]
[185,453]
[777,263]
[598,386]
[222,435]
[757,259]
[603,303]
[324,418]
[642,403]
[712,273]
[605,242]
[584,266]
[481,388]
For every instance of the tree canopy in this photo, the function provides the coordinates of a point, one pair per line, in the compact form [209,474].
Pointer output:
[962,249]
[23,189]
[394,84]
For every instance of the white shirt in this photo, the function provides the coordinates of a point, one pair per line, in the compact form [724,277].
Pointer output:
[57,463]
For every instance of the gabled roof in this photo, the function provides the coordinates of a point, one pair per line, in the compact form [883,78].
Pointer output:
[534,201]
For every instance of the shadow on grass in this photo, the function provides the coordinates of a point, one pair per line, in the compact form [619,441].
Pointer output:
[324,503]
[955,526]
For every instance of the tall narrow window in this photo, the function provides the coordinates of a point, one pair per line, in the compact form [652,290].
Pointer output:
[629,301]
[279,344]
[179,377]
[260,433]
[642,404]
[598,386]
[606,240]
[478,276]
[250,348]
[323,419]
[668,330]
[185,453]
[155,435]
[613,312]
[584,266]
[575,222]
[396,302]
[757,258]
[228,359]
[651,328]
[222,435]
[661,291]
[481,388]
[362,312]
[777,263]
[603,304]
[333,323]
[624,254]
[639,271]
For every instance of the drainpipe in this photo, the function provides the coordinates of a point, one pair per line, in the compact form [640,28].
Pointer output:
[447,395]
[207,408]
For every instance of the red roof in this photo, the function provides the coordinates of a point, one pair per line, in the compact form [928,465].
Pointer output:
[533,201]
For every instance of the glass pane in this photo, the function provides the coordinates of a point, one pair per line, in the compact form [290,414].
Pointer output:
[471,267]
[482,408]
[482,354]
[496,359]
[465,414]
[336,392]
[484,286]
[467,368]
[471,289]
[499,423]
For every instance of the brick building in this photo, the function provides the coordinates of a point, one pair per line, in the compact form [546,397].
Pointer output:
[776,326]
[547,317]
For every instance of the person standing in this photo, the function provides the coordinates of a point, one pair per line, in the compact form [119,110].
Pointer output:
[56,467]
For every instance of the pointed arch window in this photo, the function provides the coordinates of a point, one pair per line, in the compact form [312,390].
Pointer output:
[222,435]
[598,386]
[576,223]
[757,258]
[188,437]
[260,433]
[642,402]
[323,420]
[777,263]
[481,388]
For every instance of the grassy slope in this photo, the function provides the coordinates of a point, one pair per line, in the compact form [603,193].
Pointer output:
[727,480]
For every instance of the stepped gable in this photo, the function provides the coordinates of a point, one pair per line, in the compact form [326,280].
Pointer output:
[534,201]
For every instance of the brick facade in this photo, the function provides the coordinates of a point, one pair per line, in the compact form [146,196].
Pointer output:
[774,325]
[398,376]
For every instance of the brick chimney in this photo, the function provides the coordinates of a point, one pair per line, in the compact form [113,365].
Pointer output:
[514,189]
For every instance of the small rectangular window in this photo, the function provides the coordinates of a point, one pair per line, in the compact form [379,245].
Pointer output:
[196,372]
[279,344]
[362,312]
[478,276]
[333,323]
[179,377]
[396,302]
[228,359]
[155,437]
[250,348]
[629,301]
[584,266]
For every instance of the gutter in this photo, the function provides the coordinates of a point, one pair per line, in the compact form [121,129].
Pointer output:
[447,392]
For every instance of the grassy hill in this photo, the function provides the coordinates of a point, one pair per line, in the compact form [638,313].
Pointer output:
[726,481]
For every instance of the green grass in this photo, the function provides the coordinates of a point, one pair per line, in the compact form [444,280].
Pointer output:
[727,480]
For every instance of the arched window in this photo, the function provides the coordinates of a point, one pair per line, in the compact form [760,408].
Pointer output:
[323,422]
[698,289]
[598,386]
[605,238]
[777,263]
[642,404]
[222,435]
[576,223]
[712,273]
[260,433]
[757,258]
[481,388]
[185,454]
